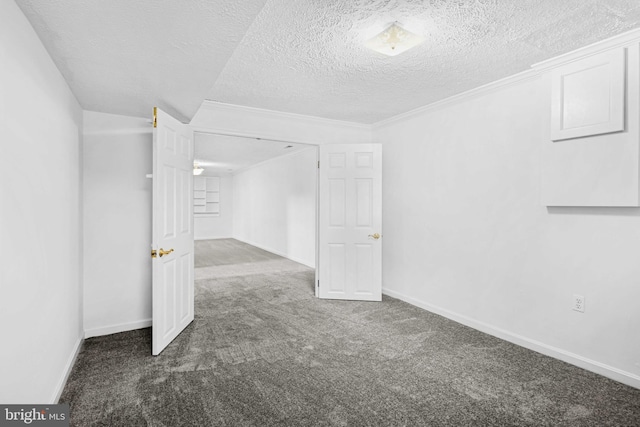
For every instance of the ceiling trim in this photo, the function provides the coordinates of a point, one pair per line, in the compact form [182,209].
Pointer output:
[620,40]
[536,70]
[461,97]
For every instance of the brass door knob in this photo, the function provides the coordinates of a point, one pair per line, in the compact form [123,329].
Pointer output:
[375,236]
[163,252]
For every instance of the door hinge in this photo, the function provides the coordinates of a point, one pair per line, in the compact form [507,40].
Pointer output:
[155,117]
[318,164]
[318,282]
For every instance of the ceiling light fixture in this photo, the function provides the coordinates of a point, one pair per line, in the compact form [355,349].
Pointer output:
[394,40]
[197,170]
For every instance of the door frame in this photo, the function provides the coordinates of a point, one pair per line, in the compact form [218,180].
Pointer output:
[353,235]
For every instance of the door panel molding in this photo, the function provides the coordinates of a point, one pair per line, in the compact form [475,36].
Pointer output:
[172,230]
[350,212]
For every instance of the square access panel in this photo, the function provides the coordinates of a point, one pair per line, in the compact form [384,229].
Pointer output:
[588,96]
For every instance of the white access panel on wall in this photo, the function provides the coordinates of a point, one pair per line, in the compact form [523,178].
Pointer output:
[588,96]
[596,160]
[350,222]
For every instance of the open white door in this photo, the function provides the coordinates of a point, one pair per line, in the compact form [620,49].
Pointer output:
[350,222]
[172,233]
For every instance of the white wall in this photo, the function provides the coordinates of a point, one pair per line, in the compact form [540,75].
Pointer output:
[117,221]
[217,227]
[40,221]
[274,206]
[465,234]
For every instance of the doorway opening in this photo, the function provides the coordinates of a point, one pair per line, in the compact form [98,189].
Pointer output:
[343,217]
[255,199]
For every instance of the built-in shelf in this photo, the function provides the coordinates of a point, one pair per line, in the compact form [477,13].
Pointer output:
[206,195]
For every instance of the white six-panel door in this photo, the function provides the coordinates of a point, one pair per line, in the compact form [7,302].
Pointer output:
[172,230]
[350,222]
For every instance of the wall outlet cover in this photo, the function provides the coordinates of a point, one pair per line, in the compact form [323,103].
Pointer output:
[578,303]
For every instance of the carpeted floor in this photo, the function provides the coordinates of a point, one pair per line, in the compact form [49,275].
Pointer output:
[263,351]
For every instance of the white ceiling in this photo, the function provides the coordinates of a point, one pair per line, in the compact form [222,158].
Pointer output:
[223,155]
[127,56]
[305,56]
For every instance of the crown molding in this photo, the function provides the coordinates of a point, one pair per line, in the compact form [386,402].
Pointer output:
[536,71]
[461,97]
[620,40]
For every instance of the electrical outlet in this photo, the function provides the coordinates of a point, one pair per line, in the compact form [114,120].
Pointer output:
[578,303]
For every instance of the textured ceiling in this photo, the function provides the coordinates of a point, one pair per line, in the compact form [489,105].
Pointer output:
[126,56]
[305,56]
[221,155]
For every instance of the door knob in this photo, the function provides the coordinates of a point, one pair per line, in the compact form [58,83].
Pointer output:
[163,252]
[375,236]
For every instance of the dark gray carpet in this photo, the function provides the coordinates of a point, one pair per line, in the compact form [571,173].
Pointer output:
[263,351]
[228,252]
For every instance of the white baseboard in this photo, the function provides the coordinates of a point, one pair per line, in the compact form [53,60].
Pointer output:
[114,329]
[212,237]
[273,251]
[67,371]
[557,353]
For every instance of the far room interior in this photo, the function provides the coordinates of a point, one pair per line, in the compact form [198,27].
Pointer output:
[258,191]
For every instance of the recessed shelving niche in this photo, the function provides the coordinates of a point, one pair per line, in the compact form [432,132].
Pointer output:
[206,195]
